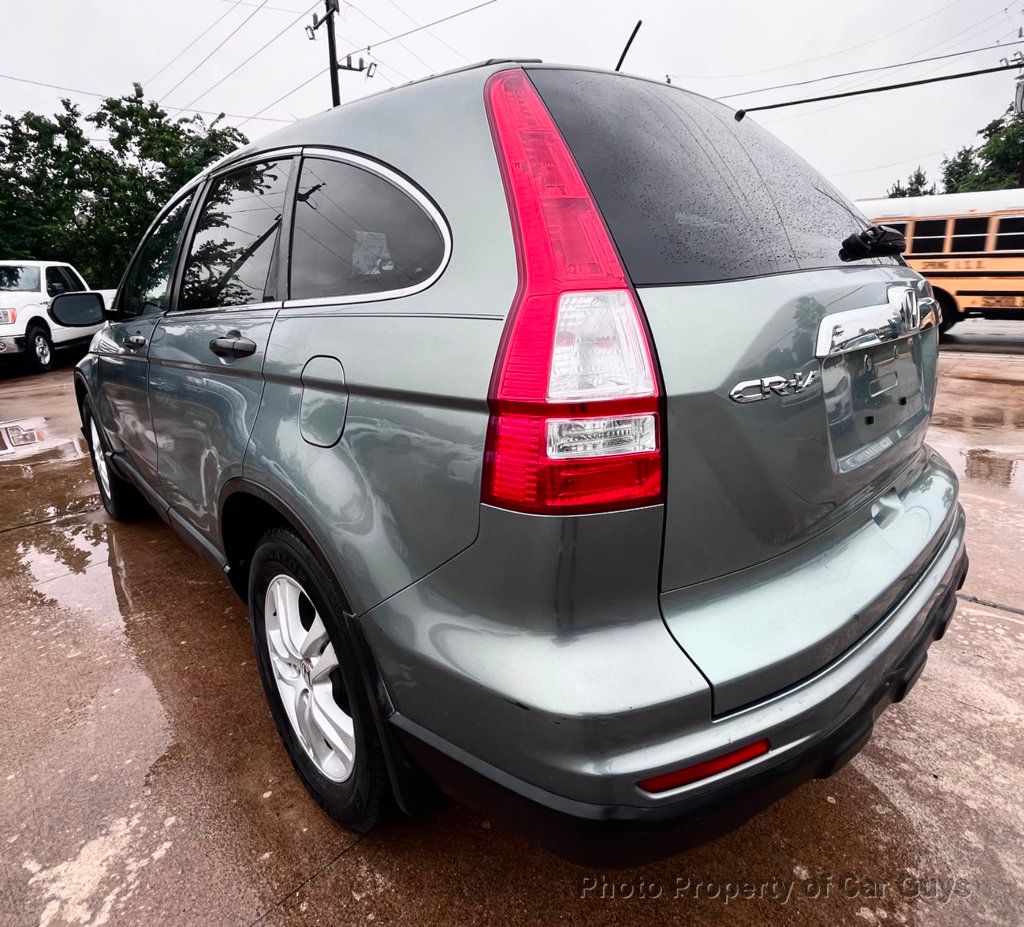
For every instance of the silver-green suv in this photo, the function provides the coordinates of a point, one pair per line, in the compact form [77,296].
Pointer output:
[562,461]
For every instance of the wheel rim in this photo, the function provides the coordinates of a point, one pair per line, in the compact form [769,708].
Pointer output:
[42,347]
[306,670]
[99,459]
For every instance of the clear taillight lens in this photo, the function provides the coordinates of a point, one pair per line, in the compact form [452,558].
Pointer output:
[7,316]
[601,437]
[600,352]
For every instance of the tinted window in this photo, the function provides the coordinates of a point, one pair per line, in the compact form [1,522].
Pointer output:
[970,234]
[690,194]
[75,282]
[900,227]
[1010,236]
[19,279]
[55,282]
[929,236]
[71,280]
[147,286]
[232,253]
[357,233]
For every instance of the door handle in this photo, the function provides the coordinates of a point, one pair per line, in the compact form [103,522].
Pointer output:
[233,346]
[135,342]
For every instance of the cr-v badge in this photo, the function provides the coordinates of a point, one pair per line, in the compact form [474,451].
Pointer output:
[756,390]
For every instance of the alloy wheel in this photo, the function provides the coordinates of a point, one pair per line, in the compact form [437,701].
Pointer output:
[307,673]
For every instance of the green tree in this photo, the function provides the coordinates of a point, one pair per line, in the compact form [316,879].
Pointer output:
[916,185]
[68,194]
[996,164]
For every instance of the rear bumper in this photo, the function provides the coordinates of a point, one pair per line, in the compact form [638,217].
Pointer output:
[11,344]
[627,834]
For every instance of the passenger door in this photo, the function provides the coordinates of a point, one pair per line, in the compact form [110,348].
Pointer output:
[122,349]
[207,355]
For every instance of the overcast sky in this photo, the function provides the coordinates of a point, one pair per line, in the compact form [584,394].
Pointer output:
[719,48]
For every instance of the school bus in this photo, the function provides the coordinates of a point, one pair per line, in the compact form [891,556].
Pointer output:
[970,246]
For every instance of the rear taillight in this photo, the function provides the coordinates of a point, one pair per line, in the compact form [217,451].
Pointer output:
[8,316]
[574,400]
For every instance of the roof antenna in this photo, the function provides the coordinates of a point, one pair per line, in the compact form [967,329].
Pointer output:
[632,36]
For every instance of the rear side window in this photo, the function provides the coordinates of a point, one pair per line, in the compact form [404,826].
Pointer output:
[232,254]
[689,194]
[970,234]
[357,233]
[1010,236]
[929,236]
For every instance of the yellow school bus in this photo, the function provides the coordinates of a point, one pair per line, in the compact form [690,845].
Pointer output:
[970,246]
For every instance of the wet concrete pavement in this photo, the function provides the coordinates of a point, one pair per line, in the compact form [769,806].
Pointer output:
[141,779]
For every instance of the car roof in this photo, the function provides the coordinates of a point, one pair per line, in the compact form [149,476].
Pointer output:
[17,263]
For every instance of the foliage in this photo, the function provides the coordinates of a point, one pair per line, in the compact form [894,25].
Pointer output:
[996,164]
[917,185]
[72,196]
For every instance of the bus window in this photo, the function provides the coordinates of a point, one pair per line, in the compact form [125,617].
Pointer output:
[900,227]
[1011,234]
[969,234]
[929,236]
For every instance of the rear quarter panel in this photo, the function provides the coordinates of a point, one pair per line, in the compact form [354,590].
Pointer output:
[399,493]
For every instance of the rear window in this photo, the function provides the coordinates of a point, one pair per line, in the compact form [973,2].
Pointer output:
[19,279]
[689,194]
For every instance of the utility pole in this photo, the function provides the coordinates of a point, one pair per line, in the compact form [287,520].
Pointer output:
[331,9]
[335,67]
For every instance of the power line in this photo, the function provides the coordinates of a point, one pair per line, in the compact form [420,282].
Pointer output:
[105,96]
[842,51]
[214,52]
[359,48]
[957,38]
[388,32]
[201,35]
[879,167]
[262,48]
[740,113]
[883,67]
[436,38]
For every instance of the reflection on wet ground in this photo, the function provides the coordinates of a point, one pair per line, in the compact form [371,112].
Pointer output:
[141,780]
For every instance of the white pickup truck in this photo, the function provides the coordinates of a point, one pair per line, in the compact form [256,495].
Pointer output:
[26,330]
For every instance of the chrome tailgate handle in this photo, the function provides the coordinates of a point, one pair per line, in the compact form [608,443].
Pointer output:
[867,326]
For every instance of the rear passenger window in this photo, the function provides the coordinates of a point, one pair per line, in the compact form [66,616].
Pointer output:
[357,233]
[970,234]
[231,258]
[929,236]
[1010,236]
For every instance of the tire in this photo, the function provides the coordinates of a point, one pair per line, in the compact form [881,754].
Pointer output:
[346,775]
[120,498]
[39,350]
[949,314]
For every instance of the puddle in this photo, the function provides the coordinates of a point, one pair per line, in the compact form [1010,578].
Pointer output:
[34,437]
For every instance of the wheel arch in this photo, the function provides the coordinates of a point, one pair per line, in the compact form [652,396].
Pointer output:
[246,511]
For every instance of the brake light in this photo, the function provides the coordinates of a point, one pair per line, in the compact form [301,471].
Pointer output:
[8,316]
[575,425]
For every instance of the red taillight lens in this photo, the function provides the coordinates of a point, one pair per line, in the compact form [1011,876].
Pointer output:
[574,401]
[678,777]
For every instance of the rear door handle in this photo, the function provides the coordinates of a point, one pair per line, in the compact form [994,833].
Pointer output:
[136,341]
[233,346]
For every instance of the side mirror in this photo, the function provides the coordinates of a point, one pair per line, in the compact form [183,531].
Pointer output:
[874,241]
[77,310]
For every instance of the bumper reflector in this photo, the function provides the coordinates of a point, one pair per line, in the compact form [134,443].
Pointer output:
[688,774]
